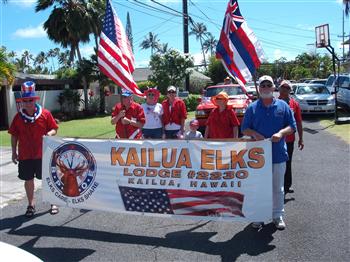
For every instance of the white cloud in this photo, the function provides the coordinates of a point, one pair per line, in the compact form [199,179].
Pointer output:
[278,53]
[30,32]
[198,58]
[339,1]
[23,3]
[306,27]
[87,51]
[144,63]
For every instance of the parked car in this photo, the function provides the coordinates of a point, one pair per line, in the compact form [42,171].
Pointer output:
[314,99]
[238,99]
[251,90]
[318,81]
[338,81]
[343,94]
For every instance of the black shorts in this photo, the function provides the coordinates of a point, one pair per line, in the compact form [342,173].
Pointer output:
[28,169]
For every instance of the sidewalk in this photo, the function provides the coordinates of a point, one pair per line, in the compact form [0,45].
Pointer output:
[11,187]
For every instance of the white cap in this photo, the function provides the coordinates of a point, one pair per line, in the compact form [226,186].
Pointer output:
[285,83]
[171,88]
[266,78]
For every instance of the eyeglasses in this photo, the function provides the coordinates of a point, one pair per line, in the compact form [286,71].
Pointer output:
[150,94]
[266,85]
[28,101]
[171,92]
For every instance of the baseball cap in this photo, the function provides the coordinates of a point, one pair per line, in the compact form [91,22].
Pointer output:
[126,92]
[171,88]
[286,83]
[266,78]
[194,122]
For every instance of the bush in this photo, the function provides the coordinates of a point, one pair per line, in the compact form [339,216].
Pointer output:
[191,102]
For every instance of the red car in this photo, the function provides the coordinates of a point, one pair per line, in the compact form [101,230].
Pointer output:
[238,99]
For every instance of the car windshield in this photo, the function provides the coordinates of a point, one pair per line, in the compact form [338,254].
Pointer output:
[314,89]
[230,90]
[330,81]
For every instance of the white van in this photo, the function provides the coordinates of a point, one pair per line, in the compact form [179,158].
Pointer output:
[343,95]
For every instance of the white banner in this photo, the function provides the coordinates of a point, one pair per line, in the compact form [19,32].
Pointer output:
[228,181]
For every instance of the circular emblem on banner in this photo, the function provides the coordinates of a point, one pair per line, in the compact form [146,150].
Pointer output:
[73,169]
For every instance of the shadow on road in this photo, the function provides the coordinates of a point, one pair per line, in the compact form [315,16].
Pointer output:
[13,223]
[248,241]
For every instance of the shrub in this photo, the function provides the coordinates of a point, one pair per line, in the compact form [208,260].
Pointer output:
[191,102]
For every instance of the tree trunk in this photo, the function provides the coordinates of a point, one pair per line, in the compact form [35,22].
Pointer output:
[205,62]
[86,101]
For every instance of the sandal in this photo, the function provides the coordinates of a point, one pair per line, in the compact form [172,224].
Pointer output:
[30,211]
[54,210]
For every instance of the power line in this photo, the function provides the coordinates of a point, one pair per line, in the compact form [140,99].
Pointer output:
[152,8]
[118,3]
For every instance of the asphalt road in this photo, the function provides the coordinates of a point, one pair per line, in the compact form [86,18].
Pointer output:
[317,217]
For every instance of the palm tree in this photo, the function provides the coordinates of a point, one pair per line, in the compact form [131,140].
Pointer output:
[28,58]
[63,59]
[52,53]
[96,12]
[210,44]
[347,6]
[163,48]
[40,61]
[6,68]
[199,30]
[150,41]
[68,25]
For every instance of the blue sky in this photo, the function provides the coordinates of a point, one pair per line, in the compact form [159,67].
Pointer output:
[285,28]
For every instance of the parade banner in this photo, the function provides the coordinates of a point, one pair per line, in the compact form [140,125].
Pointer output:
[197,179]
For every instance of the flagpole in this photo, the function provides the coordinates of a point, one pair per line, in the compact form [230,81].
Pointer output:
[256,86]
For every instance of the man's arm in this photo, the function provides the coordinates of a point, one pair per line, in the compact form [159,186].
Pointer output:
[14,141]
[52,132]
[182,129]
[300,133]
[282,133]
[235,132]
[206,133]
[253,134]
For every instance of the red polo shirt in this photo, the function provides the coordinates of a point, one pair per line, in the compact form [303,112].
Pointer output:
[134,112]
[175,113]
[30,135]
[294,105]
[221,123]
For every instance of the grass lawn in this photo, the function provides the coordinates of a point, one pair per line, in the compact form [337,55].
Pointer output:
[97,127]
[342,131]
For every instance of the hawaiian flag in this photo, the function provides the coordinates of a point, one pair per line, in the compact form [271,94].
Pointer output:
[115,57]
[182,202]
[238,48]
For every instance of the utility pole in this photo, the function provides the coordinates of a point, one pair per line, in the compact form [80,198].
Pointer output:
[185,33]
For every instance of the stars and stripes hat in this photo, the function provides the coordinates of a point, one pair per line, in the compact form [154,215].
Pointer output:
[126,92]
[27,91]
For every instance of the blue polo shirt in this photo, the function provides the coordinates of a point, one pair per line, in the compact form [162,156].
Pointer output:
[268,120]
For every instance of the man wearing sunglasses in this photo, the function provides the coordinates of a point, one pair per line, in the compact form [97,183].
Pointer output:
[175,114]
[270,118]
[27,129]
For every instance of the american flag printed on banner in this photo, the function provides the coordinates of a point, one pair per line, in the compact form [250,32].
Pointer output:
[115,57]
[182,202]
[238,48]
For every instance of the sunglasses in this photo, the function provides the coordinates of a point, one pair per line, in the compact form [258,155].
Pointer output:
[171,92]
[150,94]
[266,86]
[28,101]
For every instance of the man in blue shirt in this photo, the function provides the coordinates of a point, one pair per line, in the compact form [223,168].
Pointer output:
[271,118]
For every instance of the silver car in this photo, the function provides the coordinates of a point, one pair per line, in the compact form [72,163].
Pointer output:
[314,99]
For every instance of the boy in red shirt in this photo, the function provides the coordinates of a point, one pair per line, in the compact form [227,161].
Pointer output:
[128,117]
[174,115]
[222,121]
[27,129]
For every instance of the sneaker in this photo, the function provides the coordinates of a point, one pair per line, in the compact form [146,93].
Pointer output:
[279,223]
[257,225]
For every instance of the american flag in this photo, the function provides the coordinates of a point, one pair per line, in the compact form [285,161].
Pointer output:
[182,202]
[238,48]
[115,58]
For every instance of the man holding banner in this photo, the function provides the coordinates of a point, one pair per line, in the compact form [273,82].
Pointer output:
[270,118]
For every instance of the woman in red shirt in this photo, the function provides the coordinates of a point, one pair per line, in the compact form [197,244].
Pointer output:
[175,114]
[222,121]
